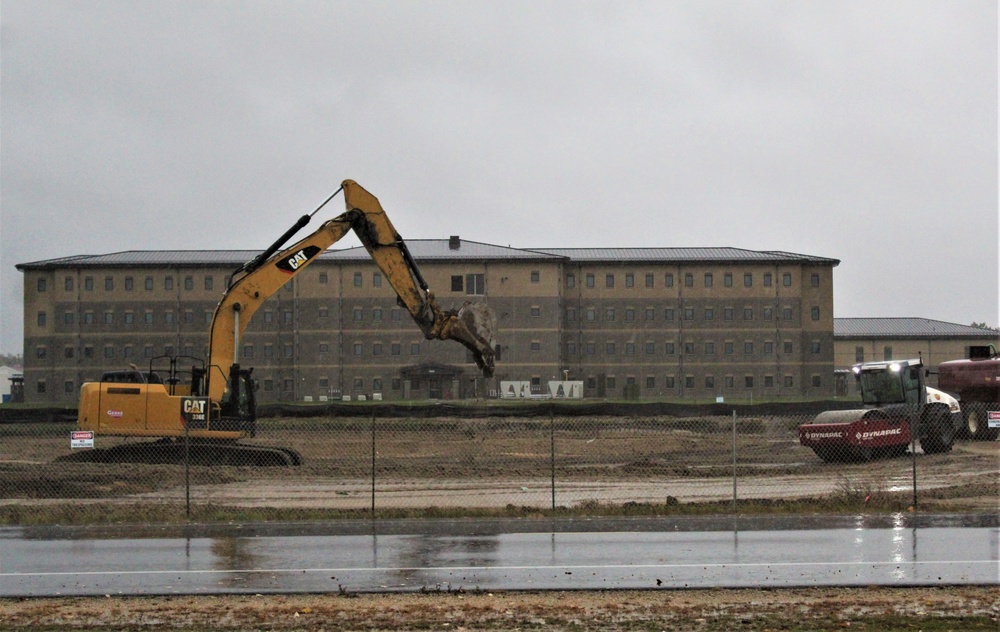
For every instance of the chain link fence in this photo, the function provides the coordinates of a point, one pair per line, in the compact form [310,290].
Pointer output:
[454,460]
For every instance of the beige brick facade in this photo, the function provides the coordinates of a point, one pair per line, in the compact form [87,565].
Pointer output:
[652,323]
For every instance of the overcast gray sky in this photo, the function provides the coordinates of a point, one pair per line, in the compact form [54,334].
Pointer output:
[863,131]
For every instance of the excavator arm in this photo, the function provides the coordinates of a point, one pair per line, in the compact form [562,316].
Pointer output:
[261,277]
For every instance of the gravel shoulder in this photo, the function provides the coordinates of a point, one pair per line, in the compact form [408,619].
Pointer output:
[945,608]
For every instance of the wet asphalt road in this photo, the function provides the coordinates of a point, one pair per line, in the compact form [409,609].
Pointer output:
[614,553]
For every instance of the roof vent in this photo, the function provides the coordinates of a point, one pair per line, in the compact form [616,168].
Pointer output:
[454,243]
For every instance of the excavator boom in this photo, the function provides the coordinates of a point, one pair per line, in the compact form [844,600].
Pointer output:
[472,326]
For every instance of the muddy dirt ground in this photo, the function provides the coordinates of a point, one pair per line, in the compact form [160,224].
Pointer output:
[492,462]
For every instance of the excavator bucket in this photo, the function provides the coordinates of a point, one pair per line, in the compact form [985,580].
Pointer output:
[475,327]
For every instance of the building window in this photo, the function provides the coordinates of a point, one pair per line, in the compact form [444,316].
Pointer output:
[377,280]
[668,382]
[286,317]
[359,314]
[767,279]
[129,284]
[709,313]
[570,314]
[728,381]
[649,279]
[689,348]
[88,318]
[727,313]
[786,279]
[323,278]
[814,280]
[377,315]
[786,313]
[41,319]
[814,313]
[708,279]
[42,284]
[768,348]
[688,279]
[535,276]
[787,347]
[629,315]
[591,347]
[688,313]
[377,349]
[650,313]
[68,352]
[748,279]
[650,381]
[748,381]
[747,313]
[475,284]
[456,283]
[727,279]
[610,383]
[109,318]
[324,347]
[670,348]
[247,351]
[209,283]
[286,350]
[650,348]
[768,381]
[729,348]
[609,349]
[815,347]
[414,348]
[768,313]
[629,348]
[40,385]
[609,314]
[188,283]
[358,279]
[590,280]
[570,281]
[536,346]
[88,352]
[668,280]
[268,351]
[147,351]
[41,352]
[887,353]
[609,280]
[149,284]
[709,381]
[816,381]
[688,381]
[747,348]
[591,314]
[536,311]
[789,381]
[629,279]
[88,284]
[358,348]
[148,317]
[69,284]
[570,348]
[397,383]
[168,318]
[168,283]
[68,318]
[668,313]
[709,348]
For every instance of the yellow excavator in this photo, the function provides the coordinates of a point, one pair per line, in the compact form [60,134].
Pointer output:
[205,418]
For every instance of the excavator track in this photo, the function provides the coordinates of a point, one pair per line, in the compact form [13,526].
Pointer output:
[171,451]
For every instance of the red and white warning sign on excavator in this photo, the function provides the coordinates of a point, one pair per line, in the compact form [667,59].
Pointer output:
[994,418]
[81,439]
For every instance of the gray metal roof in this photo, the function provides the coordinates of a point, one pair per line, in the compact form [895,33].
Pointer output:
[713,255]
[906,328]
[440,250]
[434,250]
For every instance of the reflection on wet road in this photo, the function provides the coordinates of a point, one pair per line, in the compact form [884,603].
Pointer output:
[501,555]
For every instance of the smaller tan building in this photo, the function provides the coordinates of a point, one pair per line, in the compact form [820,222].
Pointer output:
[875,339]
